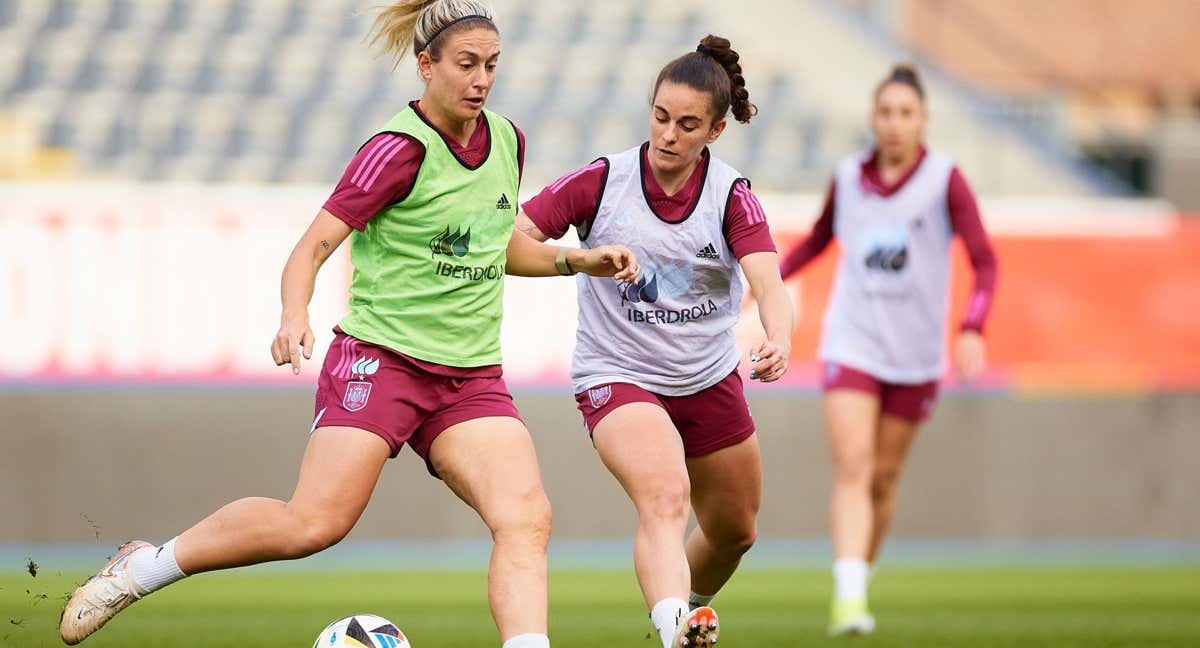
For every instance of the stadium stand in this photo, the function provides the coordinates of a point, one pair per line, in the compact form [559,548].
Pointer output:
[285,90]
[1111,78]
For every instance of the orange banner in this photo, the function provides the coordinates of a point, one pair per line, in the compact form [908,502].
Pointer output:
[1075,313]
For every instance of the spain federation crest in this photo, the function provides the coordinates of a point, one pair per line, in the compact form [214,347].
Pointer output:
[600,396]
[357,395]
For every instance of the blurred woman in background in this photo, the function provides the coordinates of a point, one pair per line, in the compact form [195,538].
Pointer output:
[895,210]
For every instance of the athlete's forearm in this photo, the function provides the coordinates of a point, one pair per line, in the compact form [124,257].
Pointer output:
[317,244]
[298,281]
[531,258]
[775,313]
[818,239]
[774,305]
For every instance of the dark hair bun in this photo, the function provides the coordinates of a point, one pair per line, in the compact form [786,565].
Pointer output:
[720,50]
[907,74]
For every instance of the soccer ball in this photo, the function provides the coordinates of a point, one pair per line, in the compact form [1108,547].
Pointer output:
[362,631]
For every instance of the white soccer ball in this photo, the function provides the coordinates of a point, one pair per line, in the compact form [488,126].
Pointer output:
[362,631]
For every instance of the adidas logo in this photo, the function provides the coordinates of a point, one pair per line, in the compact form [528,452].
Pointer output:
[708,252]
[503,202]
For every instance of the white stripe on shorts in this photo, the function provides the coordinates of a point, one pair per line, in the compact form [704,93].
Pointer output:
[317,420]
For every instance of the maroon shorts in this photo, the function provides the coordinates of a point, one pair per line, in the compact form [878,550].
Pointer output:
[376,389]
[709,420]
[911,402]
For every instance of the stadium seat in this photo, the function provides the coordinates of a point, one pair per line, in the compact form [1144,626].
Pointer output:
[565,63]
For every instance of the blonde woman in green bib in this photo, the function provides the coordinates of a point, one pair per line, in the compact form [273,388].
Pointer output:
[429,205]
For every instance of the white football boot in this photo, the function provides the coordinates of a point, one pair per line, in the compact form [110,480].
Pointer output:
[849,618]
[102,596]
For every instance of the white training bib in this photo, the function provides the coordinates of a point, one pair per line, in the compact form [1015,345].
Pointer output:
[887,315]
[671,333]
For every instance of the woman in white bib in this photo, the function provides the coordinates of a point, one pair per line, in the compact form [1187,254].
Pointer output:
[895,210]
[655,371]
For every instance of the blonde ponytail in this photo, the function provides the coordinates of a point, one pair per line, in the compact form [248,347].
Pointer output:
[406,24]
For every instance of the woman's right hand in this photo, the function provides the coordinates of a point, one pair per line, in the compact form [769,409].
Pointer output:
[971,356]
[616,261]
[294,334]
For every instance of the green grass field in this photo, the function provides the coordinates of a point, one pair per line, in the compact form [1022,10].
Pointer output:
[761,608]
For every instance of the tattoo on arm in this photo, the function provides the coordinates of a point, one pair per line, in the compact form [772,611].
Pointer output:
[325,245]
[528,228]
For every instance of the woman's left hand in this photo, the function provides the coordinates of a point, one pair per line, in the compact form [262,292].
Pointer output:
[616,261]
[769,361]
[970,355]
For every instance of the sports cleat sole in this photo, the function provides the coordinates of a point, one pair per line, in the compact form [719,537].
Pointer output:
[698,629]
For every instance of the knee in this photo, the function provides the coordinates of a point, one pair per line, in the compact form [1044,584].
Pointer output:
[854,466]
[311,536]
[665,502]
[883,484]
[736,539]
[525,517]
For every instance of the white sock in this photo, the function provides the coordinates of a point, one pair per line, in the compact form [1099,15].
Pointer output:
[154,567]
[700,600]
[850,578]
[665,616]
[532,640]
